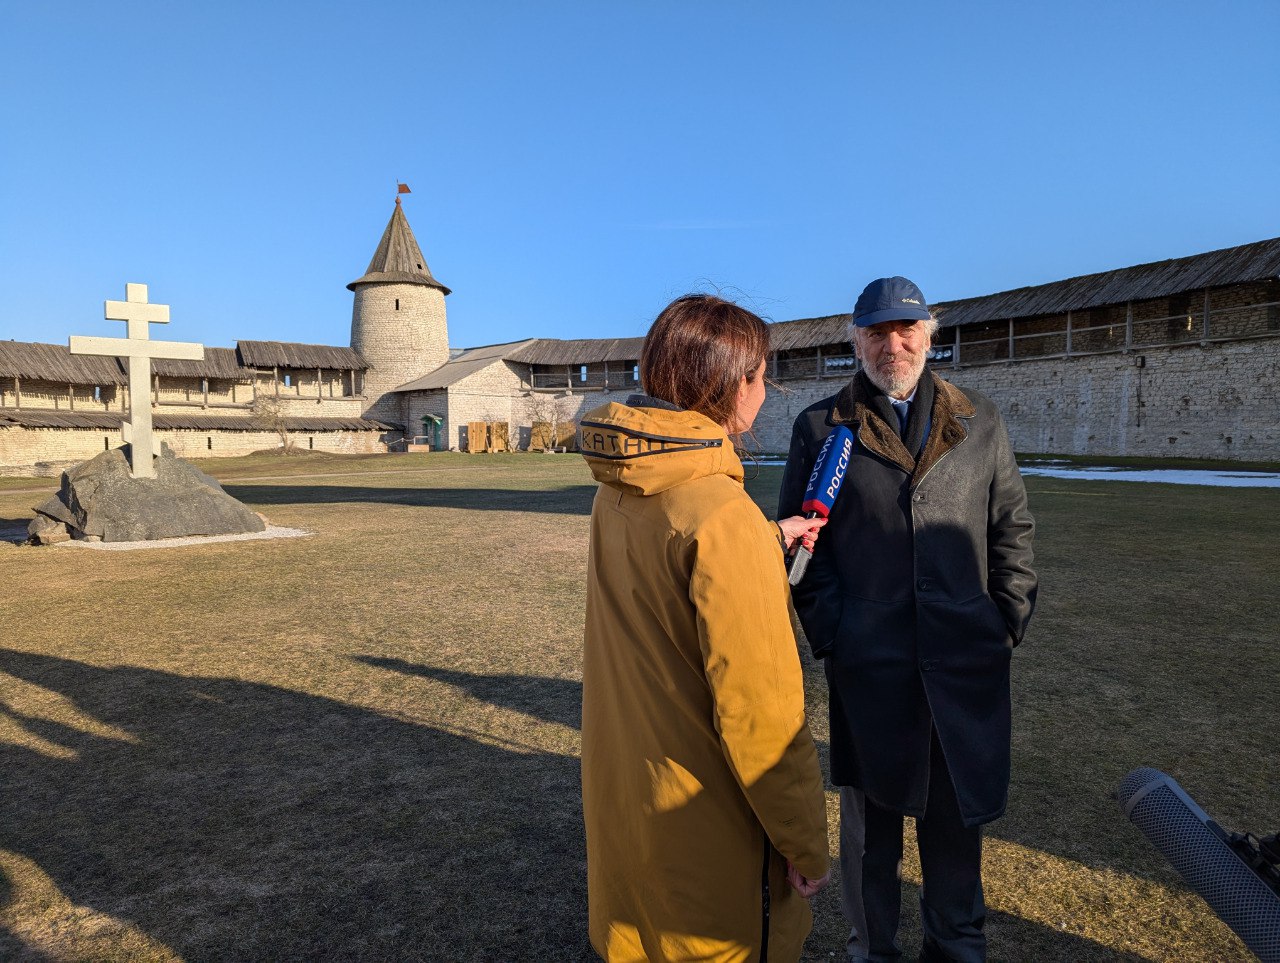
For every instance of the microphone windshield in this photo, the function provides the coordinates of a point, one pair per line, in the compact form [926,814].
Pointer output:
[828,473]
[1202,853]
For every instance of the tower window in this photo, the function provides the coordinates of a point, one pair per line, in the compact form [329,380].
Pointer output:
[635,373]
[582,373]
[288,381]
[397,304]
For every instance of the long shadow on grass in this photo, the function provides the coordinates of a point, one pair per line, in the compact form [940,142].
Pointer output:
[574,500]
[14,529]
[560,701]
[234,820]
[549,699]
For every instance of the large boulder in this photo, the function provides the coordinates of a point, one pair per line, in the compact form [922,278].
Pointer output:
[45,530]
[101,498]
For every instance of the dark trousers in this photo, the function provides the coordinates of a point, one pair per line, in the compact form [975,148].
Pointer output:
[952,910]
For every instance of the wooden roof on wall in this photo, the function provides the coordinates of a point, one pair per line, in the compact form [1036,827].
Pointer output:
[218,363]
[290,354]
[1235,265]
[1159,279]
[55,362]
[809,332]
[552,351]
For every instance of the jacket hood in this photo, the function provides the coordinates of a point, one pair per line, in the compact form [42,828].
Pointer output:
[645,447]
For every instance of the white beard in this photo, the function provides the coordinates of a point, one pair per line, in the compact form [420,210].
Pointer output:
[895,383]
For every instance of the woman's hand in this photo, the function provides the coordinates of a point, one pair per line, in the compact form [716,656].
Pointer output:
[804,886]
[805,529]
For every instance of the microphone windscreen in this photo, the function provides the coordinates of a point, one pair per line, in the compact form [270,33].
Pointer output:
[1197,848]
[828,472]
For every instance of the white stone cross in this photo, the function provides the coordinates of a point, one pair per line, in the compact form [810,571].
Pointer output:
[138,349]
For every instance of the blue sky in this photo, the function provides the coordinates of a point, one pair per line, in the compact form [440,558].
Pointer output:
[575,165]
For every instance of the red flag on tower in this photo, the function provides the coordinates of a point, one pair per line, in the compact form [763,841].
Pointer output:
[402,188]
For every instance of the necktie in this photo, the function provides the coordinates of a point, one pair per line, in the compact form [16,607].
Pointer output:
[903,411]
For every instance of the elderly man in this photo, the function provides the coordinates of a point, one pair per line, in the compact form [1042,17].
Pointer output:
[918,590]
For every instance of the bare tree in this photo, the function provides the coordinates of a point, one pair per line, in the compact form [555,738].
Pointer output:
[548,413]
[513,436]
[504,433]
[268,414]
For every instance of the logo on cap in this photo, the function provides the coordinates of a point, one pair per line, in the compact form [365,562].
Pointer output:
[890,299]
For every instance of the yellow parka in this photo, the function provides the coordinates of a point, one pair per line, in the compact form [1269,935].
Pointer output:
[699,775]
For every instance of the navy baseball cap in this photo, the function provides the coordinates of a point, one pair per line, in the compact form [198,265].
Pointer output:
[890,299]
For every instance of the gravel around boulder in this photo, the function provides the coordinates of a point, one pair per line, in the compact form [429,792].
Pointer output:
[101,499]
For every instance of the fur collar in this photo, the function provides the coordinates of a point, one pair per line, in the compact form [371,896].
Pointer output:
[853,407]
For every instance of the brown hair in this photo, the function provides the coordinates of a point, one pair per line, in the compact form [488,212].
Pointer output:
[698,351]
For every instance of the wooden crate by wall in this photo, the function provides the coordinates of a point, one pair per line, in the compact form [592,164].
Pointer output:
[499,440]
[540,438]
[477,436]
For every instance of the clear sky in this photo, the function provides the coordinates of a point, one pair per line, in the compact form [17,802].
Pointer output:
[575,165]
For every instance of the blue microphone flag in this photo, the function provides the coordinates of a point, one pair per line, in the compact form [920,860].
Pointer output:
[828,473]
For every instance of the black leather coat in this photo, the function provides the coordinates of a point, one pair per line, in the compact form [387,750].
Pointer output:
[919,588]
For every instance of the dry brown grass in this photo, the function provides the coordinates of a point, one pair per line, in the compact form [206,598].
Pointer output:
[364,744]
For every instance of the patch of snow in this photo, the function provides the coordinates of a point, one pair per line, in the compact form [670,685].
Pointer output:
[1166,476]
[1056,468]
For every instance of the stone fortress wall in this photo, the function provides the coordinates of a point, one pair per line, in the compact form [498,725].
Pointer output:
[302,394]
[1188,376]
[1218,401]
[1191,374]
[49,451]
[1221,400]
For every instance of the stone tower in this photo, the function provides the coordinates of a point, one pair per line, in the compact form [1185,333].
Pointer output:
[398,319]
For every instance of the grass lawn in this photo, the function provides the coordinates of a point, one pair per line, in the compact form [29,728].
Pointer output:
[364,744]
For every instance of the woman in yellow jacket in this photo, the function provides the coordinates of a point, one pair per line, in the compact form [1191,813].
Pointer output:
[704,808]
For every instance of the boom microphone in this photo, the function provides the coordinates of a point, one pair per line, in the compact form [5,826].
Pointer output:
[1235,874]
[824,484]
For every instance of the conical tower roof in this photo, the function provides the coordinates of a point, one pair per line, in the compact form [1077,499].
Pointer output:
[398,258]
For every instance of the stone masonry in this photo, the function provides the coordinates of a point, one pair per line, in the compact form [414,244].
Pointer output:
[1187,401]
[47,451]
[402,332]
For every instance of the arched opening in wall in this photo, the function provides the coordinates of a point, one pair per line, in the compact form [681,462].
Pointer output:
[288,381]
[106,442]
[97,393]
[397,304]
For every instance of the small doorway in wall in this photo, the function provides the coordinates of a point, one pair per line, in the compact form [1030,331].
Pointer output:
[432,426]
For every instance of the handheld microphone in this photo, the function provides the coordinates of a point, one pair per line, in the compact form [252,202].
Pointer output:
[1237,877]
[824,484]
